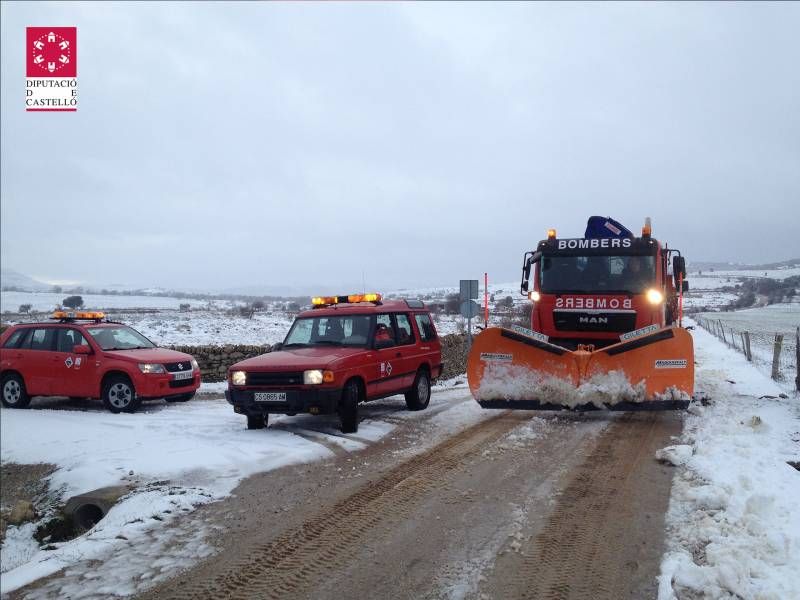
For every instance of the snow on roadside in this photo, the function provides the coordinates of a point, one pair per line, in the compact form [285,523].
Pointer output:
[733,525]
[200,448]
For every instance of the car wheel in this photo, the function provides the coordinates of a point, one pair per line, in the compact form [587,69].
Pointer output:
[348,407]
[418,397]
[14,394]
[181,398]
[257,421]
[119,395]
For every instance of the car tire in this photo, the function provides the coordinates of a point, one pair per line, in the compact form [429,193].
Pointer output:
[257,421]
[119,395]
[181,398]
[348,407]
[419,396]
[13,393]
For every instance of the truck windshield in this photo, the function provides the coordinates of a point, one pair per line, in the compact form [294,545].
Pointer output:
[119,338]
[345,330]
[596,274]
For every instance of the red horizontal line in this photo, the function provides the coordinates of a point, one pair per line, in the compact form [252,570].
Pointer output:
[51,109]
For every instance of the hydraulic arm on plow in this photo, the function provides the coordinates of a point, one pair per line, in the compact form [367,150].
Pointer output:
[605,328]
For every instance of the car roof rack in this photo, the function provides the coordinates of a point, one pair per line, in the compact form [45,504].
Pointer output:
[414,303]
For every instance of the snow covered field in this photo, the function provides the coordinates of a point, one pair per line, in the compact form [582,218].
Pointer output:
[734,518]
[47,301]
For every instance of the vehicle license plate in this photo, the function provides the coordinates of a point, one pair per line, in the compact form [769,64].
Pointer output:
[183,375]
[270,397]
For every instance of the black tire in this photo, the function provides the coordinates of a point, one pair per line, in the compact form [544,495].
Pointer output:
[13,393]
[181,398]
[119,395]
[348,406]
[257,421]
[419,396]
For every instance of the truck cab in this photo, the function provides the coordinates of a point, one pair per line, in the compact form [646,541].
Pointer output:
[594,289]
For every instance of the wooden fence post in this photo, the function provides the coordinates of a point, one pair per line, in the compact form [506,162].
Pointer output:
[733,339]
[747,352]
[797,358]
[722,331]
[776,356]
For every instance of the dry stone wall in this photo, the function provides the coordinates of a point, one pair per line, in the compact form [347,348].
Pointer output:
[215,360]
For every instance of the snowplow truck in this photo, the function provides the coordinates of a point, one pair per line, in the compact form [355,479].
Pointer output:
[605,328]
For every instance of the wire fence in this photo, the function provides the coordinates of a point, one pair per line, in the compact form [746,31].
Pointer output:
[778,352]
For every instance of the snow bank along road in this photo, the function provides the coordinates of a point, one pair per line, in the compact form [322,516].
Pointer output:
[451,502]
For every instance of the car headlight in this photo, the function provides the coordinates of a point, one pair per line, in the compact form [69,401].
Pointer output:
[195,366]
[655,297]
[313,377]
[151,368]
[317,376]
[238,378]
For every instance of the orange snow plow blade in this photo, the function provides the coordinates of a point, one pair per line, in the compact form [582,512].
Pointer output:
[512,369]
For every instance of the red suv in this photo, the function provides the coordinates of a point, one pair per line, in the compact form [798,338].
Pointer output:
[345,350]
[82,356]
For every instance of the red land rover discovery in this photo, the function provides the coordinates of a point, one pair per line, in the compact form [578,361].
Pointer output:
[345,350]
[82,356]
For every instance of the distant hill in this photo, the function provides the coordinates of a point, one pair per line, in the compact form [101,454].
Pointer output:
[723,266]
[13,279]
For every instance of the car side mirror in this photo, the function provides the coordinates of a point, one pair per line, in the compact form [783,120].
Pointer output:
[276,347]
[380,344]
[81,349]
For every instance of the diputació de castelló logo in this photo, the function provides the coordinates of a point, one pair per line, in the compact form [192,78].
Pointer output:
[51,83]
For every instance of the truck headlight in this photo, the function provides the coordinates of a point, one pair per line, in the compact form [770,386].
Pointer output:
[655,297]
[317,376]
[238,378]
[534,295]
[195,366]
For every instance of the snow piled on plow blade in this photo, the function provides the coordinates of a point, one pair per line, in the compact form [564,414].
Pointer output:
[509,370]
[515,382]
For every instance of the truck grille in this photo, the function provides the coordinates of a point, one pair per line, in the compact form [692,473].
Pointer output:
[587,321]
[275,379]
[178,366]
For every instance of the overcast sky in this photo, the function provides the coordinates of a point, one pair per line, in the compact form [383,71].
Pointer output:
[220,145]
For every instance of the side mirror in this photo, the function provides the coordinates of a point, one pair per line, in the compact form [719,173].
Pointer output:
[678,269]
[685,286]
[530,259]
[81,349]
[276,347]
[380,344]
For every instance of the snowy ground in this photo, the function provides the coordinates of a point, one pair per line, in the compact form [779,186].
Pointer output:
[174,458]
[734,517]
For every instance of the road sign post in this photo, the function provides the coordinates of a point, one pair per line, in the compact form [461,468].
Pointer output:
[469,308]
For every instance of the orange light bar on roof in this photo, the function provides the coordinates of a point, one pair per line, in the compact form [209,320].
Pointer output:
[321,301]
[551,234]
[353,298]
[85,315]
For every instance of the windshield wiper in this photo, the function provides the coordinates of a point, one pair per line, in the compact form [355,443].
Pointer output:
[327,343]
[294,344]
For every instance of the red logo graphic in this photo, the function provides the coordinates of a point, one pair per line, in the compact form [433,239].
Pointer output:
[52,52]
